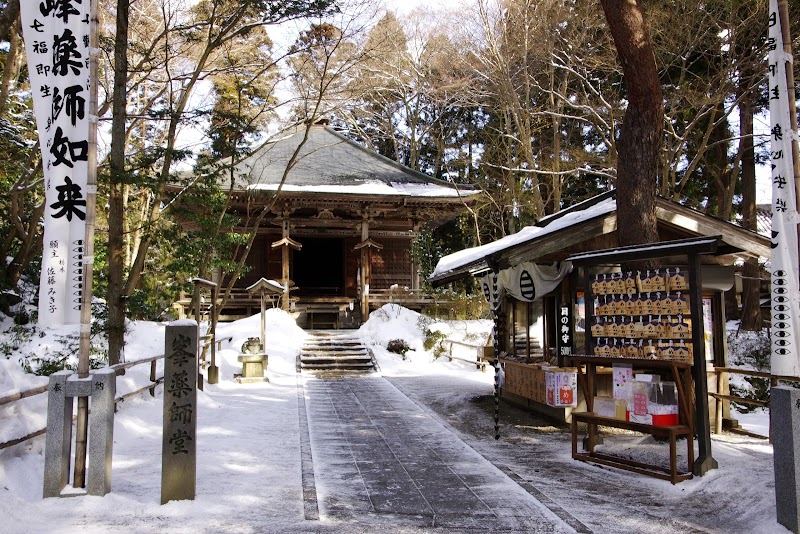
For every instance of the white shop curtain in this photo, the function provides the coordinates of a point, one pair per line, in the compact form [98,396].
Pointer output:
[527,281]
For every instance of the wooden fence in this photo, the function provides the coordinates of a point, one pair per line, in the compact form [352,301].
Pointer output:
[719,397]
[154,381]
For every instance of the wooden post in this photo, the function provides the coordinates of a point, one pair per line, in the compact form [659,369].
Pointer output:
[588,312]
[263,319]
[705,462]
[366,259]
[285,265]
[718,414]
[415,276]
[262,287]
[286,243]
[81,429]
[213,370]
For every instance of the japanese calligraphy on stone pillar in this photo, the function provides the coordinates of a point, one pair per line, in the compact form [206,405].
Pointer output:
[56,36]
[784,261]
[179,443]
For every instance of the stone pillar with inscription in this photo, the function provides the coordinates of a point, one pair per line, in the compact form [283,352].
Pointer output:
[179,442]
[785,407]
[64,387]
[58,439]
[101,430]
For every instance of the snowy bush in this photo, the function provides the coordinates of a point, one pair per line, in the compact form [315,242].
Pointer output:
[398,346]
[433,341]
[749,350]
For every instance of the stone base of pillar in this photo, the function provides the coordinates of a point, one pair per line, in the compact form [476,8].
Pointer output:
[100,387]
[785,406]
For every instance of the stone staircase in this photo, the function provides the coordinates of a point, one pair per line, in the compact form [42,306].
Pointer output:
[335,352]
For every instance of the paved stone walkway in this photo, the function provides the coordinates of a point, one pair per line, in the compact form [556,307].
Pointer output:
[376,453]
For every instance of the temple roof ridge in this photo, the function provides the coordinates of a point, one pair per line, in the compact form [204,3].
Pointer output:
[330,162]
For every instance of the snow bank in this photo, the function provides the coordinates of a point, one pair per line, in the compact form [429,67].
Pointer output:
[393,321]
[284,339]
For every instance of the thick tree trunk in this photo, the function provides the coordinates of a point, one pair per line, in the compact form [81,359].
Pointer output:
[718,163]
[751,283]
[642,126]
[116,201]
[10,69]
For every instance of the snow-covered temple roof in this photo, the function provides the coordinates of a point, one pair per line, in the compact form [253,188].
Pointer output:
[330,163]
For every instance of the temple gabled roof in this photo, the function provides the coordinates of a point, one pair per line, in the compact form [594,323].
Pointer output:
[330,163]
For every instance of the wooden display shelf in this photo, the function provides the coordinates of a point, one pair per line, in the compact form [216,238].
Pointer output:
[681,375]
[690,379]
[672,433]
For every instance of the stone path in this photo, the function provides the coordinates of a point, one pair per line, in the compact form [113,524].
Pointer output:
[377,453]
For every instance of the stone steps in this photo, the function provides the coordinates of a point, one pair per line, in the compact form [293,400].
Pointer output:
[332,354]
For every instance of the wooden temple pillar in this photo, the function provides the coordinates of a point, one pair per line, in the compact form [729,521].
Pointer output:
[286,243]
[365,246]
[416,283]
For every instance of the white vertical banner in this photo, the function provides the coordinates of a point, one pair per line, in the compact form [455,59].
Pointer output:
[56,34]
[784,262]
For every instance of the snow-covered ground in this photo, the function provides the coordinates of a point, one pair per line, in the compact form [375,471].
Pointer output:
[249,452]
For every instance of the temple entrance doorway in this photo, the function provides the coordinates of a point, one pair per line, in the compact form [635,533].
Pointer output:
[319,267]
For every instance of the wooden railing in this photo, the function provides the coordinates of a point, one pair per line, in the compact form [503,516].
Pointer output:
[154,381]
[240,304]
[720,397]
[483,352]
[379,297]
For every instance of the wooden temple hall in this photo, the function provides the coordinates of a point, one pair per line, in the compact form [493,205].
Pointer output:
[339,234]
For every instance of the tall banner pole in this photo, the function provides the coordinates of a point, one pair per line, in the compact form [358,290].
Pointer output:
[61,43]
[784,400]
[81,428]
[785,298]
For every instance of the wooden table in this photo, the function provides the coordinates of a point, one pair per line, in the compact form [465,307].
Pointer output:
[680,373]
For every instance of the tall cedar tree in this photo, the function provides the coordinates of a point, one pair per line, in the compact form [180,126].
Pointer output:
[642,125]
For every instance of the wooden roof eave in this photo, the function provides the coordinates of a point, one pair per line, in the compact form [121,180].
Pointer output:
[405,200]
[368,243]
[266,286]
[473,269]
[287,242]
[558,241]
[734,239]
[548,244]
[680,247]
[744,242]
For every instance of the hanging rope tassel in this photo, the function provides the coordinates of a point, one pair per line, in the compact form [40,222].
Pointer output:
[496,334]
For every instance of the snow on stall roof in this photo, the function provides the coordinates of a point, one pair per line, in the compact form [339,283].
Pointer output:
[184,322]
[462,258]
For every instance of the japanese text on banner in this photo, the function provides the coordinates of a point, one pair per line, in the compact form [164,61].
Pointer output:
[56,36]
[785,298]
